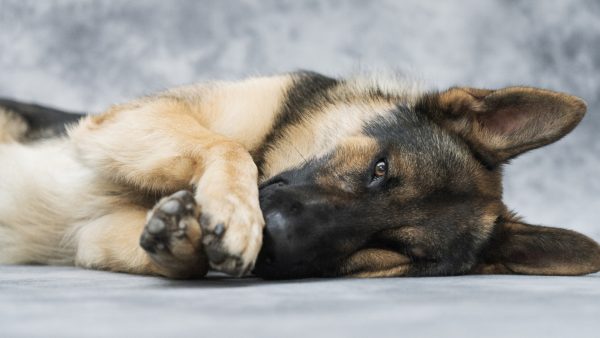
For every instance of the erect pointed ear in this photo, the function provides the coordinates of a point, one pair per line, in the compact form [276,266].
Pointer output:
[501,124]
[519,248]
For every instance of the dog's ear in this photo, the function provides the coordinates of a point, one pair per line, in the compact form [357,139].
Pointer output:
[501,124]
[519,248]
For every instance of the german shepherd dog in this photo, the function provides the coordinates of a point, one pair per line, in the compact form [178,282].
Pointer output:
[289,176]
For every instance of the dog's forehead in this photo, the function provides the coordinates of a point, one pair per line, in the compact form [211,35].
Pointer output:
[335,113]
[416,137]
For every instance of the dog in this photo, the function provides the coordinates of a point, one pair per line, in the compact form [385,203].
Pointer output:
[286,176]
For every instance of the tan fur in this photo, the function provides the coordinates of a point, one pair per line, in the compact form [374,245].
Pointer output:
[12,127]
[110,242]
[195,136]
[353,152]
[318,135]
[175,149]
[44,193]
[376,263]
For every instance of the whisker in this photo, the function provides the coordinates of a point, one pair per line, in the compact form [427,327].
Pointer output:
[298,151]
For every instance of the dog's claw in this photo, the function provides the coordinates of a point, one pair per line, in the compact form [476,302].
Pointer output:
[204,220]
[219,229]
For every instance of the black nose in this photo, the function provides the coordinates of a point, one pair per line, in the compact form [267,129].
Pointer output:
[285,252]
[276,240]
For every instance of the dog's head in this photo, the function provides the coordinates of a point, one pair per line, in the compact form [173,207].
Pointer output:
[417,189]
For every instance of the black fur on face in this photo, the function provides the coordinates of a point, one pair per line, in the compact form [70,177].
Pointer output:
[428,215]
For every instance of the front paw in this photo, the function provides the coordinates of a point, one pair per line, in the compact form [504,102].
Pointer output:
[172,237]
[232,232]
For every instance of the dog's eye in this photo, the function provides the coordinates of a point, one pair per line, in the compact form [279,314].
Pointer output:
[380,169]
[379,173]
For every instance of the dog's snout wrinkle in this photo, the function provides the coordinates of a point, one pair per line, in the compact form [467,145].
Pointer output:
[274,182]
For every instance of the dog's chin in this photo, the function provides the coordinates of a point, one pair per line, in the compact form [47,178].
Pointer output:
[369,262]
[366,263]
[265,270]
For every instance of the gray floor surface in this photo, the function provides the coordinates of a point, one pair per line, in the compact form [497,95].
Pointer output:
[69,302]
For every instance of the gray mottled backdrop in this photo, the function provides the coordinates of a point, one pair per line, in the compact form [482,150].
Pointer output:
[83,55]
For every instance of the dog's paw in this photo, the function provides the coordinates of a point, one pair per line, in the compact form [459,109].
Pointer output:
[232,228]
[173,237]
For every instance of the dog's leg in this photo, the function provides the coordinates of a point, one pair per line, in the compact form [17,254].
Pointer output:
[162,146]
[171,242]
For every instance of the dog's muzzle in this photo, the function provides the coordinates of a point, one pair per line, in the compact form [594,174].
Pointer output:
[292,237]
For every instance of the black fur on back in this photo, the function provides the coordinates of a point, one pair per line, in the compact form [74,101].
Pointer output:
[43,122]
